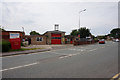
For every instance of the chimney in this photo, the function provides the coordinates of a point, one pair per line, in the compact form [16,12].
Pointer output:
[56,27]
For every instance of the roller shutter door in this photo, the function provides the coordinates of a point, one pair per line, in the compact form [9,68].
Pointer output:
[56,39]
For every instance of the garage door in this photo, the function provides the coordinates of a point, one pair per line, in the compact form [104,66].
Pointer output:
[56,39]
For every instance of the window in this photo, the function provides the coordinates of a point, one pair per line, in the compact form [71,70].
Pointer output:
[39,39]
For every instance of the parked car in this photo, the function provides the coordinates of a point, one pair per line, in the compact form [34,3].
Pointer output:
[102,41]
[116,40]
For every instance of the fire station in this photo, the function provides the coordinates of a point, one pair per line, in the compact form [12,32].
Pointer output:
[48,38]
[55,37]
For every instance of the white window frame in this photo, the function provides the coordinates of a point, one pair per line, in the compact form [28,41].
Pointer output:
[39,39]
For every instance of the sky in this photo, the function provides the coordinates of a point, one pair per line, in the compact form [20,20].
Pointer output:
[37,15]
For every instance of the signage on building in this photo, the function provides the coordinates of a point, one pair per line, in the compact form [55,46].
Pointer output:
[14,35]
[15,40]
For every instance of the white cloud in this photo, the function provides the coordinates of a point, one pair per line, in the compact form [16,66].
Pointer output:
[60,0]
[41,16]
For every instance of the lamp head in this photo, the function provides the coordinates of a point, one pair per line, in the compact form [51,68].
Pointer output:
[84,10]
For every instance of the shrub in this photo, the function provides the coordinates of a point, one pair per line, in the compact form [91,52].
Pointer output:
[5,45]
[22,44]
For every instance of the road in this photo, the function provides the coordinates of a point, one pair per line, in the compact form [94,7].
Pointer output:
[84,61]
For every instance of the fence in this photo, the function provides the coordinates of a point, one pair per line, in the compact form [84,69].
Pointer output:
[84,42]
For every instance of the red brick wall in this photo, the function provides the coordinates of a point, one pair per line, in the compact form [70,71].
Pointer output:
[5,34]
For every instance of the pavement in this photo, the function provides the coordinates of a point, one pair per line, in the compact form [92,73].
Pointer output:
[86,61]
[43,48]
[23,52]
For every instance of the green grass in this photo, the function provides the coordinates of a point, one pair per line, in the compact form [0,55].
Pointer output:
[23,49]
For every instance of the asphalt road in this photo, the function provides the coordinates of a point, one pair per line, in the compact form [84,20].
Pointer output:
[85,61]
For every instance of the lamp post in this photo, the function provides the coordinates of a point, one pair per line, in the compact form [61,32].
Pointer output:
[23,34]
[23,29]
[79,16]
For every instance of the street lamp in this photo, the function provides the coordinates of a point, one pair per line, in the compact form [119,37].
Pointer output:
[79,16]
[23,29]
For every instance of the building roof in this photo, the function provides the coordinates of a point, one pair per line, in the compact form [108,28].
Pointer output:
[55,31]
[32,35]
[14,31]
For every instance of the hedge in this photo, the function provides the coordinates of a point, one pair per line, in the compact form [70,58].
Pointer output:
[5,45]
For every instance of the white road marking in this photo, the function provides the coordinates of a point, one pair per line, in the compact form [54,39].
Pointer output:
[32,53]
[75,54]
[19,66]
[63,57]
[103,47]
[23,54]
[77,49]
[93,49]
[81,50]
[70,55]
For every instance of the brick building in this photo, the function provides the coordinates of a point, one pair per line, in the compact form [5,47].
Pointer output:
[6,35]
[49,37]
[69,39]
[55,37]
[35,39]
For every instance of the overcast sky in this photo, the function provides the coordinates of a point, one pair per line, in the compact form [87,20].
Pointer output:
[34,15]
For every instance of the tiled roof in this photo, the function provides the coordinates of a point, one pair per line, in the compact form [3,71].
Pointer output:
[56,31]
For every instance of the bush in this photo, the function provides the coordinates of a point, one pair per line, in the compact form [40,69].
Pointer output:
[5,46]
[22,44]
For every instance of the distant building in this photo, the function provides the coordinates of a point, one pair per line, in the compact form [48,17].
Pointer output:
[69,39]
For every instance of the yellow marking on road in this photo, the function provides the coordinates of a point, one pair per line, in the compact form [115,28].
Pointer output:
[116,76]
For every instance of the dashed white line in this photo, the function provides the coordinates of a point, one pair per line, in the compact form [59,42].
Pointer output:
[19,66]
[63,57]
[93,50]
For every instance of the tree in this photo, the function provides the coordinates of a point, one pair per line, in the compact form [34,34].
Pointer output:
[102,37]
[2,29]
[34,33]
[115,32]
[84,32]
[74,32]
